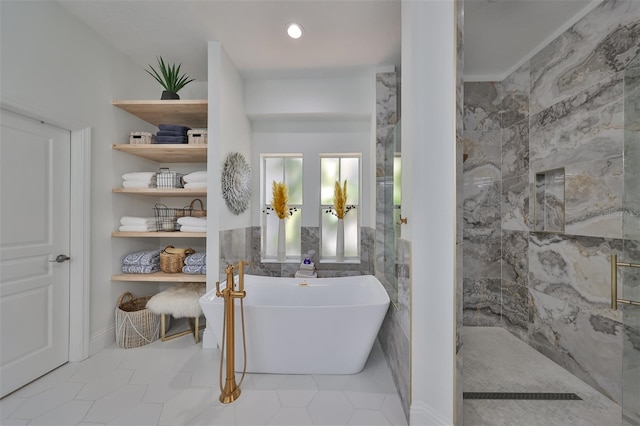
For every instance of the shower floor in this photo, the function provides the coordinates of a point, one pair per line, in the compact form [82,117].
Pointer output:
[496,361]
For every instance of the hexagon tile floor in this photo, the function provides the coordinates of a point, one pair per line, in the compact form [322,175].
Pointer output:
[176,383]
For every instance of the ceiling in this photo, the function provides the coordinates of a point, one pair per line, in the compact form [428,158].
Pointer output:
[339,35]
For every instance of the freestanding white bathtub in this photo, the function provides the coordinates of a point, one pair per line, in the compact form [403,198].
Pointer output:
[298,326]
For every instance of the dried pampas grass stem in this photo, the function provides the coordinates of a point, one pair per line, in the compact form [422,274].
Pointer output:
[280,199]
[340,199]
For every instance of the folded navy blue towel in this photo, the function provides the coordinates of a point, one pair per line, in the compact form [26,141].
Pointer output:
[142,258]
[174,128]
[196,259]
[170,133]
[171,139]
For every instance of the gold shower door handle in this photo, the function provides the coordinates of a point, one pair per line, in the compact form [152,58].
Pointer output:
[614,282]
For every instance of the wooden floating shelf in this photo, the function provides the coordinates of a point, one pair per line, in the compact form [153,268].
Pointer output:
[163,192]
[177,234]
[187,112]
[166,153]
[161,277]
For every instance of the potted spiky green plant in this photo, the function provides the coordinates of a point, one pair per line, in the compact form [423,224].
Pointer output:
[169,78]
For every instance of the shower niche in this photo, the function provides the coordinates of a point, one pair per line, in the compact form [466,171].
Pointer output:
[549,205]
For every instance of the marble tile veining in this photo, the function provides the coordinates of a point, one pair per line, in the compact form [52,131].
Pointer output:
[515,203]
[482,103]
[587,126]
[515,101]
[591,51]
[515,150]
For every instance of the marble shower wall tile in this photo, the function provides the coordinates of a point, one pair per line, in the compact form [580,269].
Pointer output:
[404,285]
[515,203]
[585,127]
[592,50]
[515,280]
[574,269]
[515,150]
[515,100]
[631,201]
[386,99]
[593,198]
[482,302]
[483,151]
[482,253]
[397,350]
[482,104]
[569,335]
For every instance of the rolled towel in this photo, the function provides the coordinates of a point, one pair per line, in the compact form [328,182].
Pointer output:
[302,274]
[194,269]
[138,228]
[173,127]
[195,185]
[140,269]
[133,220]
[196,259]
[139,176]
[199,176]
[307,266]
[187,228]
[193,221]
[142,257]
[138,184]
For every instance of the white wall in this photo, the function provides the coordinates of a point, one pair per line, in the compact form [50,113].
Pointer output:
[56,68]
[428,158]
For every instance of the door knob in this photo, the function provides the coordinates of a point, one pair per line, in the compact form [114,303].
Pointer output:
[61,258]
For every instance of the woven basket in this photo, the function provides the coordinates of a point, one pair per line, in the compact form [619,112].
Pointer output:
[198,213]
[135,324]
[172,259]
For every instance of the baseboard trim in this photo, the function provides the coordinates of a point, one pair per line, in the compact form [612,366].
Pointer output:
[423,415]
[102,340]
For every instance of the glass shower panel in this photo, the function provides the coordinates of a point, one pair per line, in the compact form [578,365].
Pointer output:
[630,276]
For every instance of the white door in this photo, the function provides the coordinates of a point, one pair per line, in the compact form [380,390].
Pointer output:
[34,230]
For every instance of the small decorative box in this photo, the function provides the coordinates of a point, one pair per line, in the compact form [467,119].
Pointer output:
[197,136]
[140,138]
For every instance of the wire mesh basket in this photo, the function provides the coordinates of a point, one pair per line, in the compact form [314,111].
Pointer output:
[167,217]
[166,178]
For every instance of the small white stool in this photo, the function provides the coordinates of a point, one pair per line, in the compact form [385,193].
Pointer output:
[179,302]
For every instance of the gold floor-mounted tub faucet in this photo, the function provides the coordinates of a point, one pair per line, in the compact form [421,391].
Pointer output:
[231,391]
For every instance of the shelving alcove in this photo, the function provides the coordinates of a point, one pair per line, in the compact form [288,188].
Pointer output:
[191,113]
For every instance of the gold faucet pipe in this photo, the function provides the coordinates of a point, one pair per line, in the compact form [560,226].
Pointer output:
[231,390]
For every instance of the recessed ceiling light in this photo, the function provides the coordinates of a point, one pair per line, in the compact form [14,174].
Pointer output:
[294,30]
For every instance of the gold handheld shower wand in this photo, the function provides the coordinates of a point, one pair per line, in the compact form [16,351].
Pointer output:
[231,391]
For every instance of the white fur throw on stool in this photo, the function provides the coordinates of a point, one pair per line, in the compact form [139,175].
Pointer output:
[179,301]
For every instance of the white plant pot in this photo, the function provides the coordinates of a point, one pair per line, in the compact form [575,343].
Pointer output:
[282,241]
[340,241]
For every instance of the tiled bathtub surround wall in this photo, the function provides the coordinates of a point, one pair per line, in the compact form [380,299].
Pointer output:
[244,243]
[563,108]
[459,200]
[394,334]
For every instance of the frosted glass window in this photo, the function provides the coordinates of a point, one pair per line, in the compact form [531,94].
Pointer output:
[288,169]
[332,169]
[397,181]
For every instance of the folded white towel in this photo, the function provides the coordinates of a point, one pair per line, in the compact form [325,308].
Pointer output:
[193,221]
[187,228]
[200,176]
[307,266]
[132,220]
[138,228]
[138,184]
[303,274]
[139,176]
[195,185]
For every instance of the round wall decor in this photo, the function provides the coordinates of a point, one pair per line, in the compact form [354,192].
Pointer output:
[236,183]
